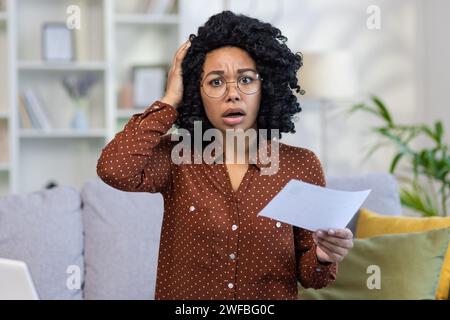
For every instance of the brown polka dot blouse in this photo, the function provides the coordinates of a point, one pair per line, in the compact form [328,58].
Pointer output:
[213,245]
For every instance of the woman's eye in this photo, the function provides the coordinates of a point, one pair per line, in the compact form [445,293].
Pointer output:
[215,82]
[246,80]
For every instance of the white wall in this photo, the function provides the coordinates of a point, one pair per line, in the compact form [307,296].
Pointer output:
[435,63]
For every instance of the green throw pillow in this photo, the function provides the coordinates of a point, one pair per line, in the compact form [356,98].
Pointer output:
[407,265]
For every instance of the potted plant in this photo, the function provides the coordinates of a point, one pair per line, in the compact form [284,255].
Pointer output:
[427,190]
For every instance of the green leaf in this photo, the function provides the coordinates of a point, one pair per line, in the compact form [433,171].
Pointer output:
[400,144]
[395,161]
[439,129]
[364,107]
[413,200]
[428,132]
[383,110]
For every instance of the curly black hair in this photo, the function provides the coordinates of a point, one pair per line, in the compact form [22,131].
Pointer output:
[275,62]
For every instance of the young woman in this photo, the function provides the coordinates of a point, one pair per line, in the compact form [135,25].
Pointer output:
[236,73]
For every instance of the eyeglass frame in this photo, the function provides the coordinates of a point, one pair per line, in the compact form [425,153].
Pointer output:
[237,85]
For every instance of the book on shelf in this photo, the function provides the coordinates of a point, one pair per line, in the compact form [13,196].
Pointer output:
[37,111]
[160,6]
[24,119]
[27,113]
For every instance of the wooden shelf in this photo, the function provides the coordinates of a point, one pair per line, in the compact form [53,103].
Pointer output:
[64,66]
[62,133]
[162,19]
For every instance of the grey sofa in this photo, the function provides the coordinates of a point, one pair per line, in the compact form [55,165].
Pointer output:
[110,238]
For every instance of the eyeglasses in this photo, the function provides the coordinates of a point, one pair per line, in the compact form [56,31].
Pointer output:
[215,85]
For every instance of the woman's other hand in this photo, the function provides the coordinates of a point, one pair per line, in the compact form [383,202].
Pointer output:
[174,88]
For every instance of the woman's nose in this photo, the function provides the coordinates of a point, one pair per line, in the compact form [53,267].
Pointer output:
[232,91]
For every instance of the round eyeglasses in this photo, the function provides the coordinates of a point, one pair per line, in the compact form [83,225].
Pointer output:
[215,85]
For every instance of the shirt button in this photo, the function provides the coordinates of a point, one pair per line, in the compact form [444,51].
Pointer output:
[232,256]
[278,224]
[230,285]
[234,227]
[318,269]
[191,209]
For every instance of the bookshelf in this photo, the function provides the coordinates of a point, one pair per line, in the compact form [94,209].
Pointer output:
[114,37]
[5,110]
[140,38]
[44,66]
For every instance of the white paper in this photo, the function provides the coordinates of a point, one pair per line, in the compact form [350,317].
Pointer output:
[314,207]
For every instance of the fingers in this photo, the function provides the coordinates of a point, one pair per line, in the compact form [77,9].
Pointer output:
[180,54]
[181,48]
[332,255]
[341,233]
[334,242]
[332,248]
[346,243]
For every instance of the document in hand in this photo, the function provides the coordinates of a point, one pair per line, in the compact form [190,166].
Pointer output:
[314,207]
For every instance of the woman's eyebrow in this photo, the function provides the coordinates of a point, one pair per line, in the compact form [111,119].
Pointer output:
[221,72]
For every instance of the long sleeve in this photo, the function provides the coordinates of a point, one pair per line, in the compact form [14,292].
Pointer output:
[311,273]
[138,158]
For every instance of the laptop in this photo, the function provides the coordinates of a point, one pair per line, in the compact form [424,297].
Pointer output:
[15,281]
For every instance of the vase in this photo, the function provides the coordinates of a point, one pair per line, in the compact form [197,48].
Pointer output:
[80,119]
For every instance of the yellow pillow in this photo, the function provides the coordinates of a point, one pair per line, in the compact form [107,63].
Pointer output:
[371,224]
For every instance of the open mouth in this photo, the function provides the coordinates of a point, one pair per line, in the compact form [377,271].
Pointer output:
[234,118]
[235,115]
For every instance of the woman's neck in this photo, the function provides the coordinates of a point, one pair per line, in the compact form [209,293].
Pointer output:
[237,149]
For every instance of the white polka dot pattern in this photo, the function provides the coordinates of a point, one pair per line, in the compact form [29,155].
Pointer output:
[213,245]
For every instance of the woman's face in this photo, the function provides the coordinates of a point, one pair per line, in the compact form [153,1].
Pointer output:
[224,65]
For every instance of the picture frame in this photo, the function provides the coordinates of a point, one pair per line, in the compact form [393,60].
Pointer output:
[149,84]
[58,42]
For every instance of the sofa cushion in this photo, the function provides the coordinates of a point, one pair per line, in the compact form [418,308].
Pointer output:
[371,224]
[122,231]
[393,266]
[44,229]
[384,196]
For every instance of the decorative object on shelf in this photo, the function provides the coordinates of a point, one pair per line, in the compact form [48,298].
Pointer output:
[80,119]
[58,42]
[78,87]
[430,166]
[149,84]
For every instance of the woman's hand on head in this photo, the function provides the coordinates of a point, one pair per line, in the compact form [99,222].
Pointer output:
[174,88]
[333,245]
